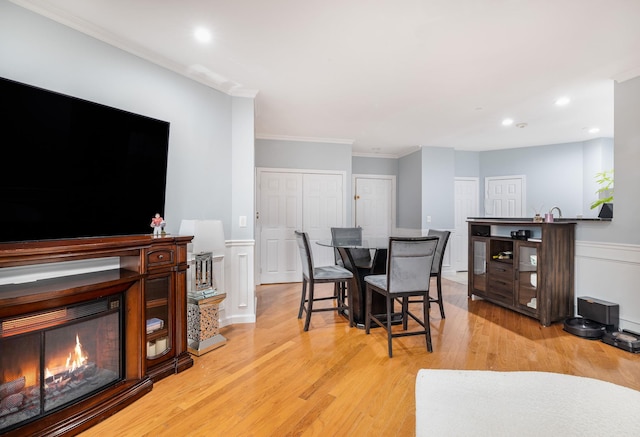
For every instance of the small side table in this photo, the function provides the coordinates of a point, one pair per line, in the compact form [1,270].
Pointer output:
[203,330]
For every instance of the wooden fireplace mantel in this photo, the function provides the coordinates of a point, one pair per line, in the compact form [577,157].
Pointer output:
[142,260]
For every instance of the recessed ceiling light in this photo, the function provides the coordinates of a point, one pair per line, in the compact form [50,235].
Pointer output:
[594,130]
[507,122]
[202,35]
[563,101]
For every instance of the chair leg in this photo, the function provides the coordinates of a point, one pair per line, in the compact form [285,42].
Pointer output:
[388,322]
[342,299]
[349,287]
[405,309]
[309,307]
[367,310]
[440,301]
[427,325]
[304,296]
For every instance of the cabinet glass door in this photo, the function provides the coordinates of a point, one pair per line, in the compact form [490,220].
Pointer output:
[528,277]
[158,298]
[479,264]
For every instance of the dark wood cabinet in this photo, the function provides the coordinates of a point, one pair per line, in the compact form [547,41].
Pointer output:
[534,276]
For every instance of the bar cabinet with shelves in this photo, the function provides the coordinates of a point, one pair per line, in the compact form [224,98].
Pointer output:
[534,275]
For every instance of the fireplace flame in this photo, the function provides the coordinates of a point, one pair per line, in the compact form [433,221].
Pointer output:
[75,359]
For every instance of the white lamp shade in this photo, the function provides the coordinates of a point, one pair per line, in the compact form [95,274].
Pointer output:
[208,235]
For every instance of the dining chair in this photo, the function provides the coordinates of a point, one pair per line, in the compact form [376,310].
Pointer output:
[312,275]
[436,272]
[361,257]
[352,237]
[436,268]
[409,261]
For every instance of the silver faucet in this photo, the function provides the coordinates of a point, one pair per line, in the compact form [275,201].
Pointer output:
[559,211]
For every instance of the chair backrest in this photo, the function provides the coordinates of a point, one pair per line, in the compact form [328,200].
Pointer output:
[347,236]
[306,256]
[409,263]
[443,238]
[350,237]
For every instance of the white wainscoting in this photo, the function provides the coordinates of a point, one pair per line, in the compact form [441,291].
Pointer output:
[610,272]
[240,304]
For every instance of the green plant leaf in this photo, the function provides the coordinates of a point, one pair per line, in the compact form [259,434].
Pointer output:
[605,180]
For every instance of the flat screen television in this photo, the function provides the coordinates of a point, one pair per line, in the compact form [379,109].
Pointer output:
[73,168]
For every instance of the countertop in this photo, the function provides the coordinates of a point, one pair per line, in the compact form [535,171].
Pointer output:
[530,219]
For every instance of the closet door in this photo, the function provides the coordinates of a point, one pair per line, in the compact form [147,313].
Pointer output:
[295,200]
[323,200]
[279,214]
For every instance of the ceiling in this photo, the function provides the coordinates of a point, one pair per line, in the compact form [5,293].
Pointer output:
[389,76]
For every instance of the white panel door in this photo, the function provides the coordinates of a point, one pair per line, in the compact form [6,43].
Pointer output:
[280,213]
[467,200]
[289,201]
[323,208]
[504,196]
[374,205]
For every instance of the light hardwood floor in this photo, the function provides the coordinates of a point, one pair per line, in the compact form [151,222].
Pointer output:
[273,379]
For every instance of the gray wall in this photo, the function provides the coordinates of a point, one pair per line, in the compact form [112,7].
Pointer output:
[467,164]
[302,155]
[553,175]
[409,205]
[375,166]
[41,52]
[556,175]
[438,174]
[243,170]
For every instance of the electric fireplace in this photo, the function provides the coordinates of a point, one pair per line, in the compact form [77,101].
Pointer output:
[73,344]
[51,359]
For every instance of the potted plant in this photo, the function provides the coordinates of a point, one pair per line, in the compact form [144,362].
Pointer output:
[605,193]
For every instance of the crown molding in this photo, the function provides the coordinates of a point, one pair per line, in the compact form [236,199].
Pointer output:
[197,73]
[374,155]
[304,139]
[627,75]
[244,92]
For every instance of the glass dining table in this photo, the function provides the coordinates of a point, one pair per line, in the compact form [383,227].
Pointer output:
[375,265]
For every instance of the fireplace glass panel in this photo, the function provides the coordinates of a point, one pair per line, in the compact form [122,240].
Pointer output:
[19,379]
[53,359]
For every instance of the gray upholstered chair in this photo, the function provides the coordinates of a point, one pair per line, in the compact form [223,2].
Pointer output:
[436,271]
[361,257]
[352,237]
[315,275]
[408,275]
[436,268]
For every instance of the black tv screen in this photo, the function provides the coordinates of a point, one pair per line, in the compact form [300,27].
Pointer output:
[73,168]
